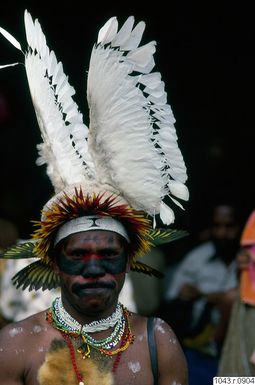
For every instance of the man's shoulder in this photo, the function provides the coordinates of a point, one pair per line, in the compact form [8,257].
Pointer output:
[152,324]
[22,329]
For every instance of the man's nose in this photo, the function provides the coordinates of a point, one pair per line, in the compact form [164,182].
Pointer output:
[93,268]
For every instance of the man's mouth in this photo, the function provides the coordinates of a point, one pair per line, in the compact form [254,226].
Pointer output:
[92,288]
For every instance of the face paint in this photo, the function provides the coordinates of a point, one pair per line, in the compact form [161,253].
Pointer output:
[91,254]
[93,267]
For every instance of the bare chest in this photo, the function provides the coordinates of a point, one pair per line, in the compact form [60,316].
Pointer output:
[63,367]
[134,368]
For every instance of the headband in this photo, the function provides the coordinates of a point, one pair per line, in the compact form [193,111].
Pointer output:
[88,223]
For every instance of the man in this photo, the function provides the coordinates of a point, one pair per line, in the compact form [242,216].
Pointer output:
[109,185]
[204,288]
[90,285]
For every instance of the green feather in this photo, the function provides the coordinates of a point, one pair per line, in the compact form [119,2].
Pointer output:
[161,236]
[24,250]
[35,276]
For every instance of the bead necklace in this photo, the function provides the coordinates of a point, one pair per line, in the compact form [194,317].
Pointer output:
[64,319]
[104,346]
[108,342]
[126,339]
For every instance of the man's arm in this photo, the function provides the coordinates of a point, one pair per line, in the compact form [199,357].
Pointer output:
[171,360]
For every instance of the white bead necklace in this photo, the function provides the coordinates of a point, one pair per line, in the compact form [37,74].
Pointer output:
[68,322]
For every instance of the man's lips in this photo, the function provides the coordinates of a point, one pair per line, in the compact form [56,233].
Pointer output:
[92,287]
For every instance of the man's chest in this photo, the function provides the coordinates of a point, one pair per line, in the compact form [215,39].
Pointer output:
[60,365]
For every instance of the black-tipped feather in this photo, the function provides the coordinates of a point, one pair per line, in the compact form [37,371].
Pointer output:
[24,250]
[141,267]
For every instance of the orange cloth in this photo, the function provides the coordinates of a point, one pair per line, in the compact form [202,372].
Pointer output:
[248,234]
[247,289]
[247,286]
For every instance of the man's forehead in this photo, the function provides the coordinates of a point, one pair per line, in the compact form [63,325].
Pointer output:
[90,223]
[224,213]
[91,236]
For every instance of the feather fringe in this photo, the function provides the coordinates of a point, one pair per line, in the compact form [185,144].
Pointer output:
[35,276]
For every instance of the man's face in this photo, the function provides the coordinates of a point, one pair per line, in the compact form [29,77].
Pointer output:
[225,231]
[224,224]
[92,266]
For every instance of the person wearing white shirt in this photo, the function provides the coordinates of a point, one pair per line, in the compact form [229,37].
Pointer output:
[200,294]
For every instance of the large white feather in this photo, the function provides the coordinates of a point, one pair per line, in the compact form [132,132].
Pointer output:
[132,136]
[131,145]
[64,148]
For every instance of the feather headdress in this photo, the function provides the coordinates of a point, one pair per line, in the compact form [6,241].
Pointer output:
[127,156]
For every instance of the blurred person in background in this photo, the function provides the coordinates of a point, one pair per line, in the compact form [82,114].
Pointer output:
[200,294]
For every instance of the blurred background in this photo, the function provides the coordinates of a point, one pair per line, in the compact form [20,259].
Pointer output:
[205,53]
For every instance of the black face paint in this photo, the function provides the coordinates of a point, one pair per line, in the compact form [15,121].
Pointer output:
[93,267]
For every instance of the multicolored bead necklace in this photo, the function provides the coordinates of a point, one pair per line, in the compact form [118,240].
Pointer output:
[60,319]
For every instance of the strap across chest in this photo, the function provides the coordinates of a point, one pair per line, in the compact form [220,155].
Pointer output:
[152,349]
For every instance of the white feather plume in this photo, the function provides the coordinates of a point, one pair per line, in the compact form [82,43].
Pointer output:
[131,144]
[132,137]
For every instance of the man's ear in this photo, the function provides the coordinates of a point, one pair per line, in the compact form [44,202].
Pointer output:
[128,264]
[55,267]
[55,264]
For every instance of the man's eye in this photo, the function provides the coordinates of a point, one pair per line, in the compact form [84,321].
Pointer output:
[77,254]
[109,254]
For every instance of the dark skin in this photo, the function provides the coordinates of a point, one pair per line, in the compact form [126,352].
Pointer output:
[90,287]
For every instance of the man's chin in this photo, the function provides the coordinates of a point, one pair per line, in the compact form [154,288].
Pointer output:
[92,306]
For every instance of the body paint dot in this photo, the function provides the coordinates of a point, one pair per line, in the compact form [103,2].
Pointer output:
[140,337]
[13,332]
[135,367]
[37,329]
[160,329]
